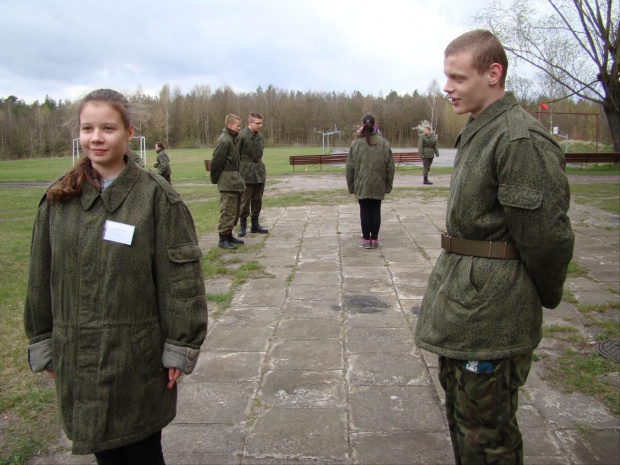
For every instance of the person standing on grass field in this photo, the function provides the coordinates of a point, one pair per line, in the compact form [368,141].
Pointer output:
[225,173]
[163,162]
[370,174]
[507,246]
[115,307]
[251,145]
[427,148]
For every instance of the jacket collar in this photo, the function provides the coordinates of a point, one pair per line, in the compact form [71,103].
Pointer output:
[116,192]
[473,125]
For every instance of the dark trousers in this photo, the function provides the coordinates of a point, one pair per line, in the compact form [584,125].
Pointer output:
[481,409]
[145,452]
[370,216]
[252,200]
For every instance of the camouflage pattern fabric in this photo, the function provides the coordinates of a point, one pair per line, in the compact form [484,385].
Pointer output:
[251,145]
[427,146]
[426,165]
[370,168]
[508,185]
[163,164]
[230,203]
[481,410]
[252,200]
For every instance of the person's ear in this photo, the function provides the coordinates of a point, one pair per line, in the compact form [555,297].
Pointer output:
[130,131]
[495,74]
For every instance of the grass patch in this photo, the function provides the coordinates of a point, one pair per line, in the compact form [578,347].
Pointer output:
[582,146]
[609,329]
[579,372]
[424,193]
[569,296]
[588,309]
[603,196]
[593,169]
[550,330]
[576,271]
[327,197]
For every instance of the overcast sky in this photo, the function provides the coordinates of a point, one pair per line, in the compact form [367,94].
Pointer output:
[65,48]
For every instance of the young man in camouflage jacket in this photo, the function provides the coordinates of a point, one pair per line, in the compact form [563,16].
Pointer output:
[225,173]
[507,246]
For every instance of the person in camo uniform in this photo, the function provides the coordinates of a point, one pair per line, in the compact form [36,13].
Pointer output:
[163,162]
[225,173]
[427,148]
[507,246]
[370,175]
[251,144]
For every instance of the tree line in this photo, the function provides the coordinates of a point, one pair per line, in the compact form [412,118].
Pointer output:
[292,118]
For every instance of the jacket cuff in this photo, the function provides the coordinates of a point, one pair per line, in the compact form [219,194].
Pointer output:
[183,358]
[40,355]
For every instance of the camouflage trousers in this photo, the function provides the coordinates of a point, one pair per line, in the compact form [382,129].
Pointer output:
[230,203]
[426,165]
[481,410]
[252,200]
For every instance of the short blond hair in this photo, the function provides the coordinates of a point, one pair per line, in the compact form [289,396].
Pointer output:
[230,119]
[485,50]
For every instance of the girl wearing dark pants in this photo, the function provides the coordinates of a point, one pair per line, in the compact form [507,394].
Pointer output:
[146,452]
[116,307]
[370,173]
[370,216]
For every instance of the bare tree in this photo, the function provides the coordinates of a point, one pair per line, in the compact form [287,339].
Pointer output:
[574,42]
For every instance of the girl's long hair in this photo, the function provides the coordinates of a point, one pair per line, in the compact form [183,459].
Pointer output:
[368,127]
[70,185]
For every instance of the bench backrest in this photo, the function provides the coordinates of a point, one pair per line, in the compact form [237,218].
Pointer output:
[591,157]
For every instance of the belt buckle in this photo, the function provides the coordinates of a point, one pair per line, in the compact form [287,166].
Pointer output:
[445,234]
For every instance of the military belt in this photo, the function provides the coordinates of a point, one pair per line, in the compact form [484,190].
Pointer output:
[486,249]
[231,168]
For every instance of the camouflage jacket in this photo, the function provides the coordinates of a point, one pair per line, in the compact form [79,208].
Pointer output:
[251,146]
[370,168]
[163,164]
[110,318]
[427,146]
[508,184]
[225,164]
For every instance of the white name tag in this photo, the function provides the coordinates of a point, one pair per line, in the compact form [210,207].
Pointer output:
[118,232]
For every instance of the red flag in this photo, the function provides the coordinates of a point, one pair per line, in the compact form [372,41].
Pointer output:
[543,106]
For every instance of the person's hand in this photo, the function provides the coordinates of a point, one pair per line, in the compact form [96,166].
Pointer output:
[51,373]
[173,375]
[156,165]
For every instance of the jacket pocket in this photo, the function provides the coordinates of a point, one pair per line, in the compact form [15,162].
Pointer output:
[185,270]
[147,348]
[519,197]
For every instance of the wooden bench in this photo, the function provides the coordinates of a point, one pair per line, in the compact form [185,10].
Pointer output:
[341,158]
[591,157]
[325,159]
[406,158]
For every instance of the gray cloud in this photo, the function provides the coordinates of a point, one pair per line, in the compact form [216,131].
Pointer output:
[63,48]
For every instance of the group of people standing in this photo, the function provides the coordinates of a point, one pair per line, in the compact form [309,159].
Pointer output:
[238,170]
[116,309]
